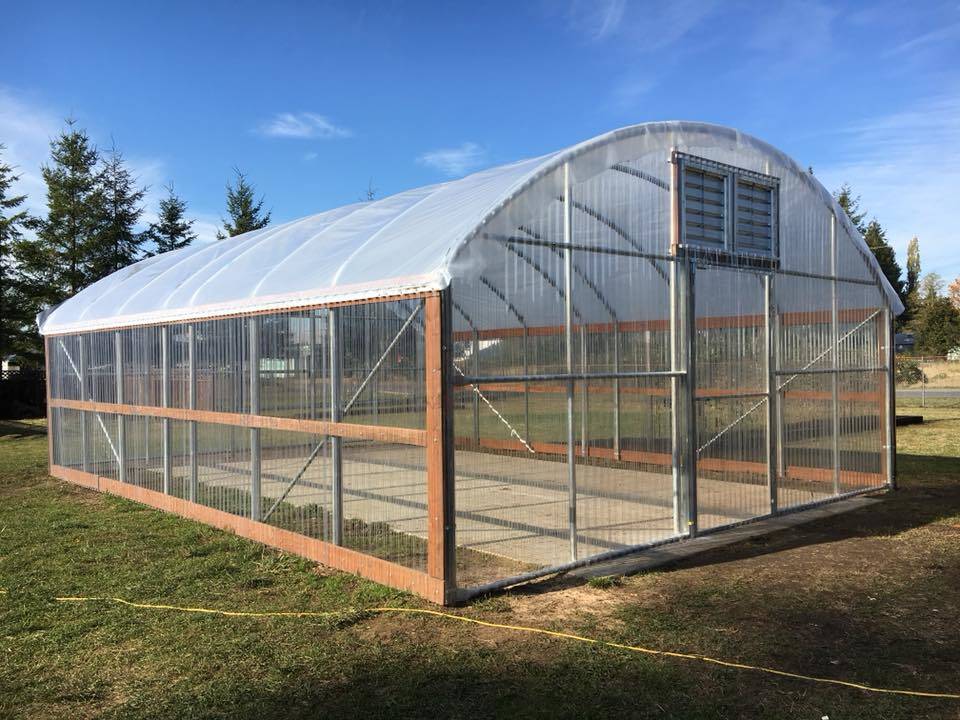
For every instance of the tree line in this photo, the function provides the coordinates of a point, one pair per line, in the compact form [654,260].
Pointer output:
[932,308]
[93,226]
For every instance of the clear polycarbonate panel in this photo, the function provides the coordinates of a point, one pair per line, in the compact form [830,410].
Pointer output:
[806,448]
[805,322]
[382,361]
[293,362]
[511,489]
[731,360]
[103,454]
[385,501]
[143,451]
[861,326]
[624,494]
[65,367]
[295,482]
[100,361]
[66,436]
[142,365]
[732,470]
[180,366]
[223,468]
[862,431]
[180,459]
[223,365]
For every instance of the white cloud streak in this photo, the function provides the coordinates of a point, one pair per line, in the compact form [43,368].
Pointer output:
[906,168]
[303,126]
[455,161]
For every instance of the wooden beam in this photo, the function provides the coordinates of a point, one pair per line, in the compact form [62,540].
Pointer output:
[436,487]
[380,433]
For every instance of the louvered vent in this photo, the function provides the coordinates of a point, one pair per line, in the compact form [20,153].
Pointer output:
[704,207]
[754,213]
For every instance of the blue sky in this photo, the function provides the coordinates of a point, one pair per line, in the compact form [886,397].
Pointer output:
[314,101]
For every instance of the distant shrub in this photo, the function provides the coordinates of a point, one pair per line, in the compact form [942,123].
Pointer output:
[908,372]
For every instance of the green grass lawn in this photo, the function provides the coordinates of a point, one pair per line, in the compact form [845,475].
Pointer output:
[871,596]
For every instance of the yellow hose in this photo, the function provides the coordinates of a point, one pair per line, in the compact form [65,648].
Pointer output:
[514,628]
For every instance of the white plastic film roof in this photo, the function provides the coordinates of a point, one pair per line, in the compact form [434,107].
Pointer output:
[402,244]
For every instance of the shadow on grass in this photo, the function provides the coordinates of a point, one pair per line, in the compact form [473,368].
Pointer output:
[16,429]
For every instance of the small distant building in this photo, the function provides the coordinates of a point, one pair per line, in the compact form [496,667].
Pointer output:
[10,365]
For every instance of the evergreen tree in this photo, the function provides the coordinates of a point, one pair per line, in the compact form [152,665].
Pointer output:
[911,288]
[172,230]
[118,204]
[246,213]
[851,206]
[15,321]
[937,326]
[54,265]
[876,239]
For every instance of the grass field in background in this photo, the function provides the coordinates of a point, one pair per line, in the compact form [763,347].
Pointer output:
[870,596]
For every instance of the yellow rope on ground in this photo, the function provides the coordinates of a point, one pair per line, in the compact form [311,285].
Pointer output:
[515,628]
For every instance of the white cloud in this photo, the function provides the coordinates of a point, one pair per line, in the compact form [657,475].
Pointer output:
[906,168]
[455,161]
[942,34]
[302,126]
[640,27]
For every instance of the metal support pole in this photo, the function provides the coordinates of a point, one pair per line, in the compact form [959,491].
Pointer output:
[312,367]
[584,392]
[616,391]
[891,404]
[121,425]
[689,344]
[835,345]
[568,327]
[476,396]
[253,338]
[192,492]
[165,402]
[336,443]
[773,395]
[84,450]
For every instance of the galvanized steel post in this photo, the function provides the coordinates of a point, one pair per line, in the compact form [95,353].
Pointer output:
[253,338]
[84,450]
[165,402]
[568,334]
[773,394]
[891,399]
[192,491]
[121,425]
[616,391]
[835,354]
[689,344]
[336,443]
[475,352]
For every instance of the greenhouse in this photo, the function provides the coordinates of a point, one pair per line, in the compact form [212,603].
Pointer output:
[664,331]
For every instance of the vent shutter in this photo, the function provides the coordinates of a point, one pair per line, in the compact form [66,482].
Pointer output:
[704,206]
[754,213]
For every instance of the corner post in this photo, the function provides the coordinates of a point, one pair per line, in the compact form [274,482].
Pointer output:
[253,338]
[889,352]
[84,450]
[568,335]
[336,442]
[441,520]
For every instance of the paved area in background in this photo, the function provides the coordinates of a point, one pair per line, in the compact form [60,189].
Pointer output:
[929,392]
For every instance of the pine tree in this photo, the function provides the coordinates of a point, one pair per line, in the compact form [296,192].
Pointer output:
[15,321]
[851,206]
[876,239]
[55,264]
[118,204]
[245,212]
[172,230]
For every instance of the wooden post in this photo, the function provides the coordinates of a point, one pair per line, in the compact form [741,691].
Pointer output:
[441,544]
